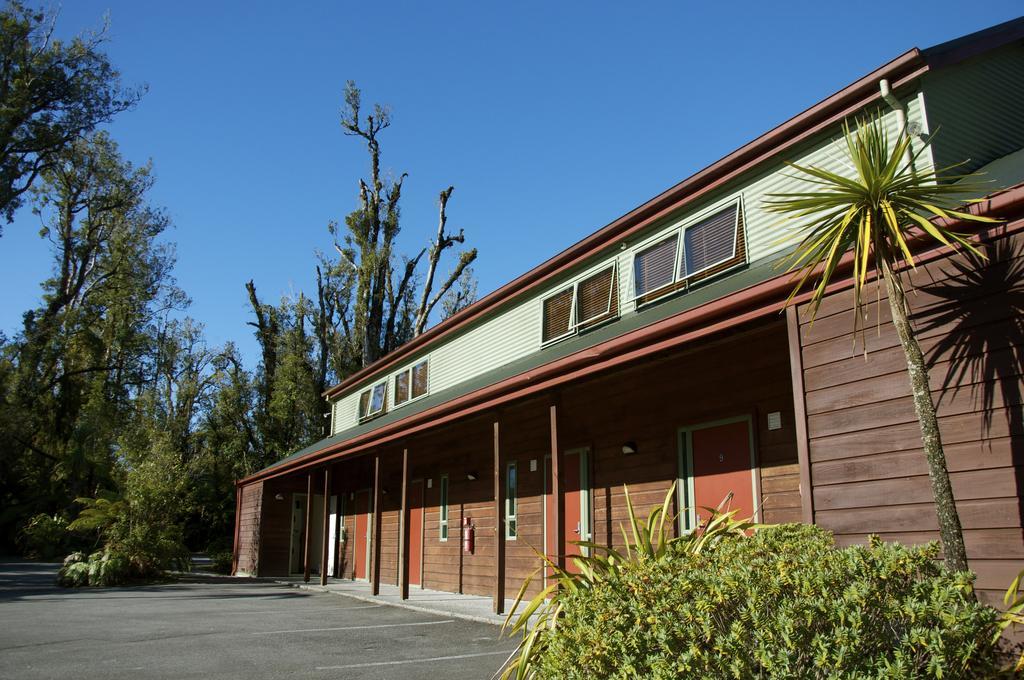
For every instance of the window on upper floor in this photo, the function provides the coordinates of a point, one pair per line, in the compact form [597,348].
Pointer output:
[585,303]
[696,251]
[372,402]
[412,383]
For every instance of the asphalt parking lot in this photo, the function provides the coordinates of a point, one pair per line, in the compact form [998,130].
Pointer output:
[226,628]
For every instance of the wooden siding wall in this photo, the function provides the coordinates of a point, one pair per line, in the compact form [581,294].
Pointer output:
[276,527]
[248,520]
[867,467]
[744,374]
[456,452]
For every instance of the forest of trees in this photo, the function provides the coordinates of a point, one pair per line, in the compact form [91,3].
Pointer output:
[117,418]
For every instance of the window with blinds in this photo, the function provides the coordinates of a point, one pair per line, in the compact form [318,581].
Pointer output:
[710,242]
[653,267]
[595,297]
[709,246]
[557,315]
[373,401]
[585,303]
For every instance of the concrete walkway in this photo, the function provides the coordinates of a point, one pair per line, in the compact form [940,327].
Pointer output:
[456,605]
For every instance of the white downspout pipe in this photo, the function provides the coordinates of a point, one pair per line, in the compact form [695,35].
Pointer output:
[901,115]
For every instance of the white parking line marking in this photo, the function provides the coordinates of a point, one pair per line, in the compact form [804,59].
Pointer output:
[379,625]
[408,661]
[302,611]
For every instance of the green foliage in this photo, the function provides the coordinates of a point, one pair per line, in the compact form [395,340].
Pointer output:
[647,542]
[221,562]
[1013,616]
[44,536]
[871,214]
[102,568]
[74,575]
[782,603]
[54,91]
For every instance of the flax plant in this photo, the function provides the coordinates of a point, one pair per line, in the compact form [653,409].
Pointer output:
[874,216]
[648,540]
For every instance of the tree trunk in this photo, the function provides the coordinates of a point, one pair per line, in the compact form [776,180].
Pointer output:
[945,506]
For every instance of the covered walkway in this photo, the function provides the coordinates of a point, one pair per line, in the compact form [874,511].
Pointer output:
[457,605]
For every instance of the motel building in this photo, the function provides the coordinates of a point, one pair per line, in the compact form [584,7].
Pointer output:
[658,350]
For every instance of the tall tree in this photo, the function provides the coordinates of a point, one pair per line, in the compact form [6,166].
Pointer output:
[873,215]
[51,93]
[86,352]
[383,314]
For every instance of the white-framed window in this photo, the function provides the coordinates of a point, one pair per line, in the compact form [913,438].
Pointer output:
[702,247]
[373,401]
[586,302]
[511,501]
[443,508]
[412,382]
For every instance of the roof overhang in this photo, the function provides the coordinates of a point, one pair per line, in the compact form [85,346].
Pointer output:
[754,302]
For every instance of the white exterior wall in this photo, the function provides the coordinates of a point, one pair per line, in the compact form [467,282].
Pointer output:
[515,331]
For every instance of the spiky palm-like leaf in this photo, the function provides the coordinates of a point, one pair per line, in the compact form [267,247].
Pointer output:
[871,214]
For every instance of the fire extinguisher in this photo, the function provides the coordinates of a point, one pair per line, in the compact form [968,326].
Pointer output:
[468,535]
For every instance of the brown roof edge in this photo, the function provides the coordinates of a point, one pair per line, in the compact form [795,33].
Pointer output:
[712,317]
[901,69]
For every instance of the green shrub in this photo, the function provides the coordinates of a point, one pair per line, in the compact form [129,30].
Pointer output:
[783,603]
[221,562]
[74,575]
[44,536]
[102,568]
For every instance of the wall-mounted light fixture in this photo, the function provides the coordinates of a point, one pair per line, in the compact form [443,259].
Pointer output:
[472,475]
[279,497]
[629,448]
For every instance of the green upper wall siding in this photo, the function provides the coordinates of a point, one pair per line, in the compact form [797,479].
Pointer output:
[513,331]
[977,108]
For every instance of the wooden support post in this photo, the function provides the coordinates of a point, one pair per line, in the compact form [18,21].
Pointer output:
[556,489]
[403,531]
[499,525]
[375,538]
[325,539]
[238,525]
[796,369]
[309,527]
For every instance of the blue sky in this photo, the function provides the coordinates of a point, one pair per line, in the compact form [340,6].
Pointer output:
[551,119]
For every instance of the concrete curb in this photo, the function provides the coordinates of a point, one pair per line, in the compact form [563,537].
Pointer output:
[400,605]
[362,598]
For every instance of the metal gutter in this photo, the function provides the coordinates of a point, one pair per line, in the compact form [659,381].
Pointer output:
[800,128]
[754,302]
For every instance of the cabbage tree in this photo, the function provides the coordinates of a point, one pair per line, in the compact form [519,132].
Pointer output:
[873,215]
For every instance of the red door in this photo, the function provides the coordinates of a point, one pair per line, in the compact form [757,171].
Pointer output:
[415,532]
[576,507]
[722,464]
[362,512]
